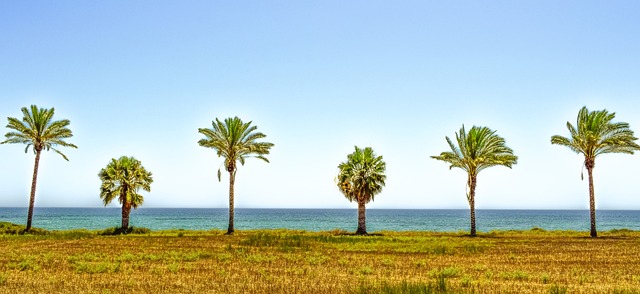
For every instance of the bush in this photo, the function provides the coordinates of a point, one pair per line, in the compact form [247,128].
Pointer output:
[120,231]
[621,232]
[7,228]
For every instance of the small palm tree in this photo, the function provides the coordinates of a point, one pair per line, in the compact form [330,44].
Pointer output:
[360,178]
[234,140]
[122,179]
[477,150]
[40,132]
[596,134]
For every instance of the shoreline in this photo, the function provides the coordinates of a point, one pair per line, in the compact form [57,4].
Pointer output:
[7,228]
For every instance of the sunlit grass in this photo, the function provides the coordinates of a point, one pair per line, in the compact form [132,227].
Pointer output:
[277,261]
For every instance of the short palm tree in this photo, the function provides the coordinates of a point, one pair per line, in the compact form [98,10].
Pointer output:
[234,140]
[360,178]
[596,134]
[40,132]
[122,179]
[477,150]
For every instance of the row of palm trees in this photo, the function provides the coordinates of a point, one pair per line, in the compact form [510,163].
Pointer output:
[360,178]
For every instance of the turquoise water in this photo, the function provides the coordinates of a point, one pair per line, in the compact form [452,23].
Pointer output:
[324,219]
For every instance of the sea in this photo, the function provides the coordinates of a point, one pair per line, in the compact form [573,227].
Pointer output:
[437,220]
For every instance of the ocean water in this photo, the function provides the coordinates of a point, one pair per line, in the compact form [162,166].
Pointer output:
[441,220]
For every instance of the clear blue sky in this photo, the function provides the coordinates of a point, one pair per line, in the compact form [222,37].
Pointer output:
[138,78]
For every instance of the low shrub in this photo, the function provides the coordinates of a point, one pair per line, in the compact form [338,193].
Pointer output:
[7,228]
[120,231]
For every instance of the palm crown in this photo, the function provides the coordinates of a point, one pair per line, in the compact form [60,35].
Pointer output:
[362,176]
[122,179]
[595,134]
[38,130]
[477,150]
[235,141]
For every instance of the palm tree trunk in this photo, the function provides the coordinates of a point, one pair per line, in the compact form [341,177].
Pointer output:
[232,181]
[362,224]
[472,203]
[32,198]
[590,164]
[126,210]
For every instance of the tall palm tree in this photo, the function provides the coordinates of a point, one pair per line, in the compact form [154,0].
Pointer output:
[40,132]
[360,178]
[477,150]
[596,134]
[122,179]
[234,140]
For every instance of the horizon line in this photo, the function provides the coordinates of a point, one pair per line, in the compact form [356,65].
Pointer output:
[319,208]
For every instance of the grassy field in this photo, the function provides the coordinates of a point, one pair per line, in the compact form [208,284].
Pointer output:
[282,261]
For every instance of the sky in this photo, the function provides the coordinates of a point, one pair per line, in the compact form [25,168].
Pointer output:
[138,78]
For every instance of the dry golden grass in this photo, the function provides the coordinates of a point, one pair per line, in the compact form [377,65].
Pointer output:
[282,261]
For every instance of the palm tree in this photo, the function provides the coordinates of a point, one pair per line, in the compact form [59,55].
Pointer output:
[40,132]
[234,140]
[477,150]
[595,134]
[360,178]
[122,179]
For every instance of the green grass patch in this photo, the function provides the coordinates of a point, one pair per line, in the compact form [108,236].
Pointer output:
[438,286]
[288,261]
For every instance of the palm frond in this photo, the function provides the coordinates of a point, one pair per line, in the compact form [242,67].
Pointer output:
[122,178]
[362,176]
[38,130]
[476,150]
[234,140]
[596,134]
